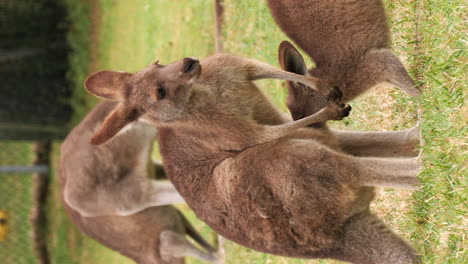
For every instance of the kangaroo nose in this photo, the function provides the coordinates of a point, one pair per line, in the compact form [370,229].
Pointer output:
[189,64]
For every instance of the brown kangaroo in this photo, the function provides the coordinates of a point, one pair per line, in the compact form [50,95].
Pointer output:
[108,195]
[349,42]
[270,186]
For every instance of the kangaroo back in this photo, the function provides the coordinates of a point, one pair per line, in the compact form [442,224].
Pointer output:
[330,31]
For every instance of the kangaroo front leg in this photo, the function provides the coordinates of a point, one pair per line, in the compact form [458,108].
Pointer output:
[402,143]
[175,245]
[259,70]
[331,112]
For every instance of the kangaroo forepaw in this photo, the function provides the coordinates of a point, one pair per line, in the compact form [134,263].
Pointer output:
[333,94]
[346,109]
[338,112]
[329,91]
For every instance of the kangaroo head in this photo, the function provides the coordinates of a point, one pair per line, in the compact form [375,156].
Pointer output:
[301,101]
[157,94]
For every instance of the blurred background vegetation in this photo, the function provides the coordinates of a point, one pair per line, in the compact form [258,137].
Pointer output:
[33,66]
[47,48]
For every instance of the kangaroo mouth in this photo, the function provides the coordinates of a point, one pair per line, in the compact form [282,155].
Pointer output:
[190,65]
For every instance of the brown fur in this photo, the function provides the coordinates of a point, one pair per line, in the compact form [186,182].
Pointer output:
[288,193]
[303,101]
[347,39]
[107,182]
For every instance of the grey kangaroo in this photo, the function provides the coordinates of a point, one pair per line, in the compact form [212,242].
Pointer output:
[272,186]
[108,194]
[349,42]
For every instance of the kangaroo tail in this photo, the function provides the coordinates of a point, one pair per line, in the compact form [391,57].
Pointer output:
[366,239]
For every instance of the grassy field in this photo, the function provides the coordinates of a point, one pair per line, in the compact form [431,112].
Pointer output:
[428,35]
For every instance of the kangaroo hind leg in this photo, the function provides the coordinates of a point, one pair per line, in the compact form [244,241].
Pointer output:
[399,173]
[403,143]
[388,68]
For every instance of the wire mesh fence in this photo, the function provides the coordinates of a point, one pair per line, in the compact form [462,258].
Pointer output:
[33,65]
[16,200]
[35,105]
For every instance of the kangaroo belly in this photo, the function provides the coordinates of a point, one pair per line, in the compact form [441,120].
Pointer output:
[274,198]
[133,236]
[282,197]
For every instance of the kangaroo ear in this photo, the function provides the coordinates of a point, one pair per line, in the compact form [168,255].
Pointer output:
[120,117]
[290,59]
[107,84]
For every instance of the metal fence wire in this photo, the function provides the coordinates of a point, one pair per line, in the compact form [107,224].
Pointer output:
[34,106]
[16,200]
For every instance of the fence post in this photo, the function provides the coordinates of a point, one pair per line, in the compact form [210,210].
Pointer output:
[219,17]
[40,190]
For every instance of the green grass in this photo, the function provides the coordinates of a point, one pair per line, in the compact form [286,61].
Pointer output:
[134,34]
[438,218]
[427,35]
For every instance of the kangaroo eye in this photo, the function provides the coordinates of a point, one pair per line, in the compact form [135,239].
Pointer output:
[161,92]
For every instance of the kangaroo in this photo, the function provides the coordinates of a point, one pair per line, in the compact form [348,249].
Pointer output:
[109,196]
[349,42]
[270,186]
